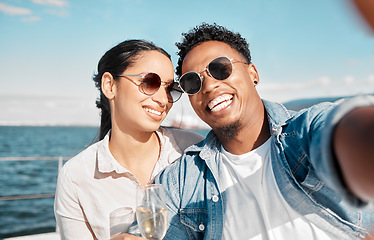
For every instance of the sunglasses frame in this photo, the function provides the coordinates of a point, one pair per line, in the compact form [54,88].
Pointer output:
[209,73]
[141,85]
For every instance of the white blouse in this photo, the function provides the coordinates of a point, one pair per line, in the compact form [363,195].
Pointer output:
[93,184]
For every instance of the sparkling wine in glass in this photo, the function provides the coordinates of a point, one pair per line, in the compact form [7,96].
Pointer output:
[151,211]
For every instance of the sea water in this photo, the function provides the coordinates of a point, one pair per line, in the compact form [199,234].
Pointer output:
[32,216]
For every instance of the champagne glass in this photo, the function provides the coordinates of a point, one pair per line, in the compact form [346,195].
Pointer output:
[120,220]
[151,211]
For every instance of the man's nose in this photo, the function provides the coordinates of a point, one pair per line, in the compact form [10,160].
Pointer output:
[209,83]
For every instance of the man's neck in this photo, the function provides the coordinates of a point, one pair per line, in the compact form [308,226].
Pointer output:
[250,136]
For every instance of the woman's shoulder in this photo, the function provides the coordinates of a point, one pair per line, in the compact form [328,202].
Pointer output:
[184,138]
[82,159]
[180,134]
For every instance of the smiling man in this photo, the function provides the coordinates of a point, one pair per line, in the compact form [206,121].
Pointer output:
[263,172]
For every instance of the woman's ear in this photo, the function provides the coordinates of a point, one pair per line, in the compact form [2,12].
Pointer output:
[107,85]
[253,74]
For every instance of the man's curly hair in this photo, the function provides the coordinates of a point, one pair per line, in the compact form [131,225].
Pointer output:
[207,32]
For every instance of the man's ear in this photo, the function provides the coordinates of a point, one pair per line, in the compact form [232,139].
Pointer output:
[107,85]
[255,78]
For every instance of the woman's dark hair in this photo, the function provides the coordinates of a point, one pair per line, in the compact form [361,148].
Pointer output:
[115,61]
[206,32]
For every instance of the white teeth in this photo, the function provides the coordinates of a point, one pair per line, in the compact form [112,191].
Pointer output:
[220,102]
[221,106]
[152,111]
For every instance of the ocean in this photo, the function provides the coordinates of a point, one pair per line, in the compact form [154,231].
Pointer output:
[32,216]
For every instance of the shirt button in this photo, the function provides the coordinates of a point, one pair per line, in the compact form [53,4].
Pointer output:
[215,198]
[201,227]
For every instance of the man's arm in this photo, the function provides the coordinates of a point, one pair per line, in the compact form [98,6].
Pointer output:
[354,150]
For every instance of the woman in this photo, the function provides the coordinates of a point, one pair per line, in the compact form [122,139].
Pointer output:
[137,90]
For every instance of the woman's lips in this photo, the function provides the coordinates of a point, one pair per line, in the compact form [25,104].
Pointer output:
[152,111]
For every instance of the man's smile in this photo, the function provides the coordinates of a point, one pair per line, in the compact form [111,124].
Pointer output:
[220,102]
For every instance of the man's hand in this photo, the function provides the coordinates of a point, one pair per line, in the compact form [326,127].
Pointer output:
[354,149]
[126,236]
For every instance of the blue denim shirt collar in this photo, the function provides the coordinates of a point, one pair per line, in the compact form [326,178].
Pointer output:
[278,116]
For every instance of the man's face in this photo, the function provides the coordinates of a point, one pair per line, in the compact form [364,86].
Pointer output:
[221,103]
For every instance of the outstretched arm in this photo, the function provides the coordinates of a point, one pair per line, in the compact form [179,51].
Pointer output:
[354,150]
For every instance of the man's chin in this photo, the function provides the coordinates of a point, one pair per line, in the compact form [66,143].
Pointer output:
[228,132]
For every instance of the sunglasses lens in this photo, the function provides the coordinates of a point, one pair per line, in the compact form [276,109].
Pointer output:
[151,83]
[220,68]
[174,92]
[190,83]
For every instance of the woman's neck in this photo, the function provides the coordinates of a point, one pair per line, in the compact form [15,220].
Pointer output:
[137,153]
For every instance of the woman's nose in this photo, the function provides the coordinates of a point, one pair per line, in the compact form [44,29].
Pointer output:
[161,96]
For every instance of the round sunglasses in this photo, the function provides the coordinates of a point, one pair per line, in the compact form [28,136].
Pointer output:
[151,83]
[219,68]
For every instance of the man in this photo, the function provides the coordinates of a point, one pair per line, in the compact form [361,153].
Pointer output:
[263,172]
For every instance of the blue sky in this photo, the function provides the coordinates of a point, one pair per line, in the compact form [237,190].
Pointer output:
[49,49]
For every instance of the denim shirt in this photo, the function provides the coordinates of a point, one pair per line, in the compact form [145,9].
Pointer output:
[304,168]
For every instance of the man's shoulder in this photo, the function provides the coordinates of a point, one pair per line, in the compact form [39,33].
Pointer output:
[315,114]
[187,165]
[190,157]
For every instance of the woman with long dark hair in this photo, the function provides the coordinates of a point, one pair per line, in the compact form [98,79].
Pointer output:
[137,90]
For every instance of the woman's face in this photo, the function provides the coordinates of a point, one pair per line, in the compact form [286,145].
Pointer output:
[133,110]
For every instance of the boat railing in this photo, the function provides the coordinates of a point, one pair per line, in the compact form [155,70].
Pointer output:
[60,160]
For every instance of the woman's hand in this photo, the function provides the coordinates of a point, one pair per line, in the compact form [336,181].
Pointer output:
[126,236]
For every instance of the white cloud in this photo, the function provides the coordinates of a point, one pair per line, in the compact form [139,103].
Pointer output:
[31,19]
[57,12]
[12,10]
[371,79]
[325,81]
[57,3]
[321,87]
[349,80]
[353,62]
[296,86]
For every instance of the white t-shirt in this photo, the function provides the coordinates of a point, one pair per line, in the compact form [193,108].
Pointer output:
[254,206]
[93,184]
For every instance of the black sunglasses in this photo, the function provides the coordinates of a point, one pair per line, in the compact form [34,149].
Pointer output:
[151,83]
[219,68]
